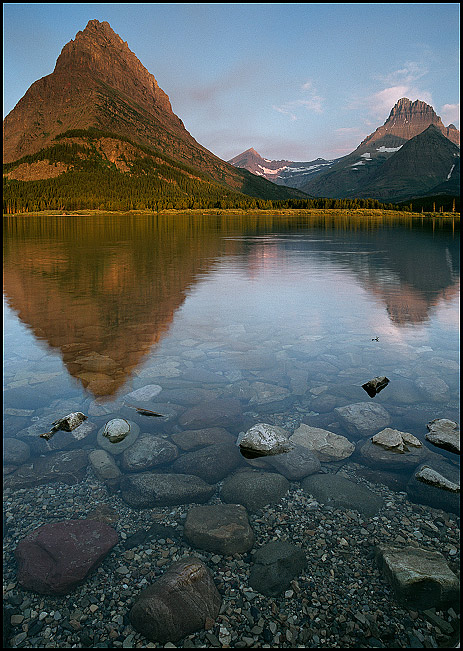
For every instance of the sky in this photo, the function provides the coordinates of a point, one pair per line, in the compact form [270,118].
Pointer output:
[295,81]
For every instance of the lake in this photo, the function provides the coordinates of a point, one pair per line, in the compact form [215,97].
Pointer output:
[219,323]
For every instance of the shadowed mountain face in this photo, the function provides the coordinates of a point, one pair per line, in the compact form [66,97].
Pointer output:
[103,292]
[99,83]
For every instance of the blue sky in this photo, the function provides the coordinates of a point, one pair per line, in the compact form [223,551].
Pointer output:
[293,80]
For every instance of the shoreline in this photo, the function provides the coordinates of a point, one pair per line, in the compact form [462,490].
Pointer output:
[213,212]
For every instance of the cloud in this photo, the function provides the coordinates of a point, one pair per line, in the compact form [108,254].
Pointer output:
[409,74]
[311,102]
[450,114]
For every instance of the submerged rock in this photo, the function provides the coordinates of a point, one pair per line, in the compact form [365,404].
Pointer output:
[67,424]
[420,578]
[116,430]
[326,445]
[219,528]
[254,489]
[150,489]
[429,476]
[54,558]
[264,439]
[340,491]
[275,565]
[444,433]
[180,602]
[392,439]
[363,418]
[432,495]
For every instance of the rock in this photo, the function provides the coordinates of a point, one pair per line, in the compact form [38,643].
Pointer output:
[444,433]
[374,386]
[199,438]
[395,441]
[120,446]
[54,558]
[150,489]
[116,430]
[254,489]
[429,476]
[63,440]
[263,439]
[363,418]
[219,528]
[420,578]
[148,452]
[180,602]
[423,493]
[295,464]
[339,491]
[145,394]
[376,455]
[326,445]
[105,467]
[211,463]
[264,393]
[275,565]
[68,467]
[66,424]
[433,388]
[15,451]
[214,413]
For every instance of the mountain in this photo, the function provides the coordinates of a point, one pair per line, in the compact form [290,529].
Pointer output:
[99,86]
[282,172]
[379,168]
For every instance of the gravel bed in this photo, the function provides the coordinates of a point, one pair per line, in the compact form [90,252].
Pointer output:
[340,600]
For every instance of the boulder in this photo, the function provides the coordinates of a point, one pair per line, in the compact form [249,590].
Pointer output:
[54,558]
[444,433]
[199,438]
[263,439]
[435,496]
[377,456]
[180,602]
[148,452]
[419,578]
[295,464]
[67,466]
[363,418]
[211,463]
[338,491]
[327,446]
[396,441]
[15,451]
[254,490]
[219,528]
[275,565]
[150,489]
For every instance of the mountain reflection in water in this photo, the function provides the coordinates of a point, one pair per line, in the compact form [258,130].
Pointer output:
[103,291]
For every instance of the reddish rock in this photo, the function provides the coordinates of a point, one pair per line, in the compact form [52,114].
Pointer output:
[57,556]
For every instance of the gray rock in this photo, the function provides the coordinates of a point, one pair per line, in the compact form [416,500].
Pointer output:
[121,446]
[433,478]
[295,464]
[363,418]
[148,452]
[275,565]
[219,528]
[254,489]
[422,493]
[104,465]
[264,393]
[433,388]
[212,463]
[339,491]
[199,438]
[221,412]
[327,446]
[15,451]
[420,578]
[264,439]
[444,433]
[180,602]
[68,467]
[144,394]
[376,456]
[150,489]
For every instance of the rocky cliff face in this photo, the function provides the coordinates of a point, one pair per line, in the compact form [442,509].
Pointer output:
[408,119]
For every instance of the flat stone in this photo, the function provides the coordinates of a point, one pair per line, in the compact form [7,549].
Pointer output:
[199,438]
[444,433]
[219,528]
[420,578]
[327,446]
[434,496]
[150,489]
[295,464]
[339,491]
[148,452]
[433,388]
[212,463]
[363,418]
[104,465]
[144,394]
[68,467]
[54,558]
[182,601]
[254,490]
[221,412]
[264,393]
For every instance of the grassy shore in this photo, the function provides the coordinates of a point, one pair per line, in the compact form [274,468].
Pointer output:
[358,212]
